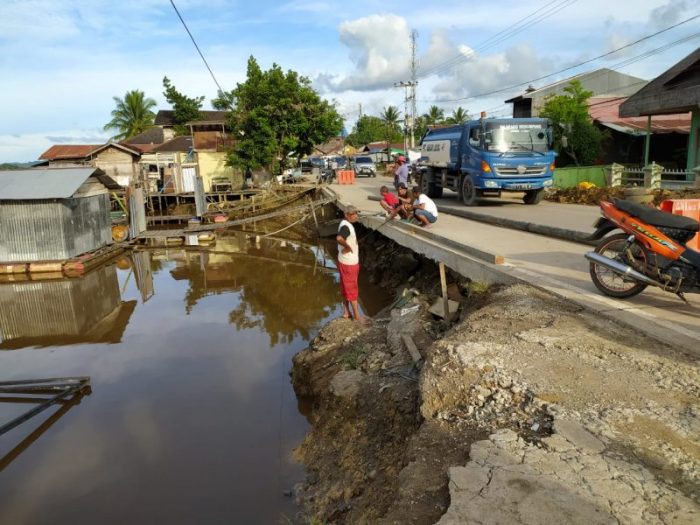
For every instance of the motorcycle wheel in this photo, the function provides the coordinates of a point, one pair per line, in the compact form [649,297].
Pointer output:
[611,283]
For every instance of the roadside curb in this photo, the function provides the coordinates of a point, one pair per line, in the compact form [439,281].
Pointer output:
[375,222]
[531,227]
[636,317]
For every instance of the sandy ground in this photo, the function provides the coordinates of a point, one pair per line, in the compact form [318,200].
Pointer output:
[524,410]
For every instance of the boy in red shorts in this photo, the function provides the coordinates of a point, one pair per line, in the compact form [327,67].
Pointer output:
[390,202]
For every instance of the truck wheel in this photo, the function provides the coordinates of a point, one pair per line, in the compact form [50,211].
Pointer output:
[431,189]
[533,196]
[470,193]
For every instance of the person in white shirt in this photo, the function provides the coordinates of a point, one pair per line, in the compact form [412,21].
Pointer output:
[349,265]
[424,209]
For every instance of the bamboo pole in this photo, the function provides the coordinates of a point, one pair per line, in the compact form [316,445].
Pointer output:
[443,285]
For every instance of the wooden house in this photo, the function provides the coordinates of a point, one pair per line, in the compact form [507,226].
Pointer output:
[677,90]
[119,161]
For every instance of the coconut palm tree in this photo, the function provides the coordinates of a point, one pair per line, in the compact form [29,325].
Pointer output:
[391,115]
[435,115]
[459,116]
[132,115]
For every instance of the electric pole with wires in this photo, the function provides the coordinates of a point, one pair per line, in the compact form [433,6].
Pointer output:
[409,101]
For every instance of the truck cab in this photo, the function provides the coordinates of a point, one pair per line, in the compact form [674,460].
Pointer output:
[488,156]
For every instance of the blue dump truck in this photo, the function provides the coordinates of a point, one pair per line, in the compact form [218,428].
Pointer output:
[488,156]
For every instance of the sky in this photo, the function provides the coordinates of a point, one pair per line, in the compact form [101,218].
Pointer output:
[63,61]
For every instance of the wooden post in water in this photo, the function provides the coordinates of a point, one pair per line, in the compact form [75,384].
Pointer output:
[313,212]
[443,285]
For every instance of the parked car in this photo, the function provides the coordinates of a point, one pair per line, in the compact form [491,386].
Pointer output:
[307,165]
[340,162]
[364,166]
[290,176]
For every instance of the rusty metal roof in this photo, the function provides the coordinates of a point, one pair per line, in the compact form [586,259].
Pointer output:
[605,110]
[43,183]
[68,151]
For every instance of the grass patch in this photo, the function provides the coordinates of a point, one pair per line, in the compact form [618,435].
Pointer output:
[352,357]
[477,288]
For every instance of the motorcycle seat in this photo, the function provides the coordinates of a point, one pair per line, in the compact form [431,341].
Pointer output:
[657,217]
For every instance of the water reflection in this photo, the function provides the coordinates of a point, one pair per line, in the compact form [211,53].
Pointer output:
[192,418]
[286,288]
[64,312]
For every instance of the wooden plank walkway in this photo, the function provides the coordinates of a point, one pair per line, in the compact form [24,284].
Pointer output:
[151,234]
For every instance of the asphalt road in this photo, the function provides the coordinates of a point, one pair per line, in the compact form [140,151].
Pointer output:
[554,264]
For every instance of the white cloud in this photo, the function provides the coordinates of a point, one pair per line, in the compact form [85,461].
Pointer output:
[661,17]
[379,48]
[480,74]
[670,13]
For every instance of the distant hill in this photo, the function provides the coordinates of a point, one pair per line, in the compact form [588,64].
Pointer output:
[15,165]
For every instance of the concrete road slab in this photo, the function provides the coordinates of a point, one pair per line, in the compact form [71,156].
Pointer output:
[553,264]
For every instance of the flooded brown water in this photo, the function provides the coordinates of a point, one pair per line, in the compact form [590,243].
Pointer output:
[192,417]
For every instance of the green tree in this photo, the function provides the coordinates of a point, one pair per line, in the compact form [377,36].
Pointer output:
[420,128]
[435,115]
[369,128]
[275,114]
[391,116]
[132,114]
[569,116]
[459,116]
[185,109]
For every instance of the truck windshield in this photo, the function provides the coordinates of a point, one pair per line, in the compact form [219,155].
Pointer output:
[505,138]
[363,160]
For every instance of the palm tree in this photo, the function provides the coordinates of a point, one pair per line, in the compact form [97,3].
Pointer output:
[132,115]
[435,115]
[391,115]
[459,116]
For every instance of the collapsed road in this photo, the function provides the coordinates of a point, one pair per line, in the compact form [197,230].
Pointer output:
[527,408]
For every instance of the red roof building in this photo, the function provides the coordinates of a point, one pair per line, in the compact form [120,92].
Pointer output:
[605,111]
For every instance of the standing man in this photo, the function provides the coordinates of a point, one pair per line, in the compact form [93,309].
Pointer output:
[349,265]
[424,209]
[401,172]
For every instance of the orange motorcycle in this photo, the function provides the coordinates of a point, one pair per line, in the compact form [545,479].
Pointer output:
[650,252]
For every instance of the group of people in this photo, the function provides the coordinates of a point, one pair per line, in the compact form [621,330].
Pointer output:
[409,205]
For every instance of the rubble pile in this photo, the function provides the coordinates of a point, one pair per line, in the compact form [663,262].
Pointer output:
[526,409]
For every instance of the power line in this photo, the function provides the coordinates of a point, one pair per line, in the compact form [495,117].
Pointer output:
[221,91]
[622,64]
[501,36]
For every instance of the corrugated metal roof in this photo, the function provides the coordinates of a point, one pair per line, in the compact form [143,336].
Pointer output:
[43,183]
[606,110]
[68,151]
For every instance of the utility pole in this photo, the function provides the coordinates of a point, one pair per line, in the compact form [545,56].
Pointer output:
[410,97]
[409,118]
[359,110]
[414,83]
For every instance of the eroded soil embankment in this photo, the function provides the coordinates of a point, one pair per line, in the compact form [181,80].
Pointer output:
[527,409]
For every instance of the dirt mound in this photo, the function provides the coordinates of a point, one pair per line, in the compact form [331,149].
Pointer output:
[593,196]
[579,195]
[604,417]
